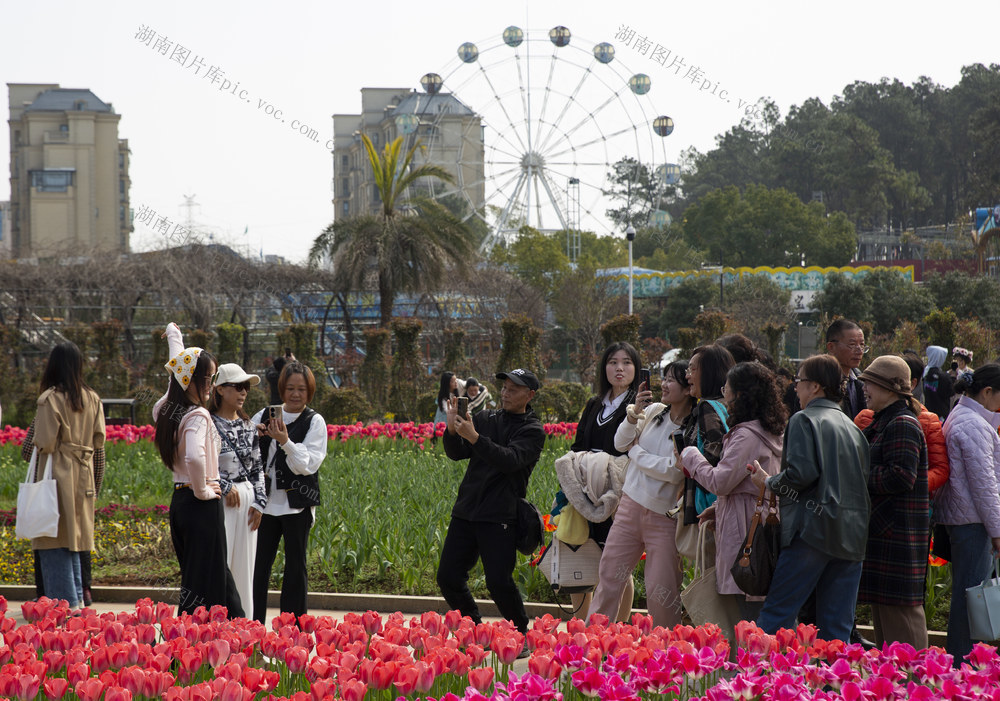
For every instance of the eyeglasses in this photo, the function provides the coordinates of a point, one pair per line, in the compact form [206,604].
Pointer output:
[238,386]
[797,380]
[854,347]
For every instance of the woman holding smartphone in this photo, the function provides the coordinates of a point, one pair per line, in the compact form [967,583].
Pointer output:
[188,446]
[293,445]
[241,475]
[652,484]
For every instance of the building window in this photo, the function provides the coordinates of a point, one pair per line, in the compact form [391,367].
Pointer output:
[51,180]
[345,188]
[347,208]
[121,160]
[344,161]
[375,139]
[121,186]
[121,213]
[64,128]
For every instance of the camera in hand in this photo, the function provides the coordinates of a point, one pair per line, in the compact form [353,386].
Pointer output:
[463,407]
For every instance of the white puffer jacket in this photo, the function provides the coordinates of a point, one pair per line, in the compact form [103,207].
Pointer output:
[972,492]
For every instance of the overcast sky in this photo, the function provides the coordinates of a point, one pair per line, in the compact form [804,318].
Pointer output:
[251,171]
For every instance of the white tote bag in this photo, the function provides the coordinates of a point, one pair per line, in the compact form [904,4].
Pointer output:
[983,602]
[37,504]
[571,569]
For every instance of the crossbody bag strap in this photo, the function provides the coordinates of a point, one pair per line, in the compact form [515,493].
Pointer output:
[754,523]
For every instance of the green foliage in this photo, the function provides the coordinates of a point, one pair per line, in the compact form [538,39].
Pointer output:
[454,352]
[684,302]
[110,376]
[406,370]
[712,324]
[536,258]
[638,189]
[230,342]
[521,345]
[345,406]
[624,327]
[759,307]
[973,336]
[560,401]
[767,227]
[155,374]
[301,338]
[197,337]
[374,373]
[970,296]
[941,325]
[845,296]
[411,244]
[899,300]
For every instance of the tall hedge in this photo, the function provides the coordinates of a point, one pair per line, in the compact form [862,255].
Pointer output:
[230,342]
[521,346]
[407,371]
[373,377]
[624,327]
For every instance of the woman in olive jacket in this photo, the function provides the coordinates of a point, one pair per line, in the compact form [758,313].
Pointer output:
[824,505]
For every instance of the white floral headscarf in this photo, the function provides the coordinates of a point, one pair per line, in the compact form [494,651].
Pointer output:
[182,365]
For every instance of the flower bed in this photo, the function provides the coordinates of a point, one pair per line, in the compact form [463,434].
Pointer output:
[151,653]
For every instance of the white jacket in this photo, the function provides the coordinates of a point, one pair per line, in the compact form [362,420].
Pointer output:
[971,493]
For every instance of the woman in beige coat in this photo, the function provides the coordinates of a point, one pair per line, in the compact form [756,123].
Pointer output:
[69,426]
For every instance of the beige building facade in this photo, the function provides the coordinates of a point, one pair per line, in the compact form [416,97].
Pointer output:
[451,135]
[69,174]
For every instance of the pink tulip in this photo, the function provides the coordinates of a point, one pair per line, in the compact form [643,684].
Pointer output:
[117,693]
[353,690]
[55,688]
[588,681]
[296,658]
[89,689]
[218,652]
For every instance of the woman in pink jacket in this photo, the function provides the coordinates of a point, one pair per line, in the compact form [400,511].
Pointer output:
[968,503]
[757,416]
[189,446]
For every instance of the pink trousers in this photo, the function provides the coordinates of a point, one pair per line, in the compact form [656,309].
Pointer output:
[635,529]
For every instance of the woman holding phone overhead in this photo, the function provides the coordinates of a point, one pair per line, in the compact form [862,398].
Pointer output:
[293,445]
[188,446]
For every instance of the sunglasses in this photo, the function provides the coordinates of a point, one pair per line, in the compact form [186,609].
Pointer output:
[240,386]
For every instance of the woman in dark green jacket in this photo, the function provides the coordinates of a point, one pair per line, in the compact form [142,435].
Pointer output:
[823,493]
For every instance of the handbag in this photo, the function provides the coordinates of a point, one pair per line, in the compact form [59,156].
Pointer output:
[37,503]
[686,536]
[571,569]
[756,560]
[983,602]
[701,598]
[530,528]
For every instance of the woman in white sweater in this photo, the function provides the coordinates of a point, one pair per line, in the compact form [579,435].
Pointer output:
[189,447]
[651,488]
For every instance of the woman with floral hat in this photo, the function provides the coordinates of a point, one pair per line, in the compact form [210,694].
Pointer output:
[189,447]
[241,475]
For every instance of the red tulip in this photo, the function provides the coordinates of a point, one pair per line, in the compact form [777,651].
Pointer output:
[27,686]
[372,622]
[55,688]
[481,678]
[452,619]
[77,673]
[54,660]
[353,690]
[117,693]
[89,689]
[319,668]
[322,689]
[296,658]
[218,652]
[508,648]
[431,621]
[233,691]
[191,660]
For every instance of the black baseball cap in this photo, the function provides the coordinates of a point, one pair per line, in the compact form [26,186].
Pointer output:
[522,377]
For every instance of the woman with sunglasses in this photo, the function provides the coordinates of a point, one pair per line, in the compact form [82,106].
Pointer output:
[241,475]
[188,446]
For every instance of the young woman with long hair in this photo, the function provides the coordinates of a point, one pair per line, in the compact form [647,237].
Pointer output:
[449,388]
[189,446]
[651,489]
[69,426]
[757,419]
[617,385]
[241,475]
[293,445]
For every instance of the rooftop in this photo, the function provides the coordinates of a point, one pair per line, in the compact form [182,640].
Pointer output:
[68,100]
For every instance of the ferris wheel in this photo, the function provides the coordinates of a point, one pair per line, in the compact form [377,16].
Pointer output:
[555,114]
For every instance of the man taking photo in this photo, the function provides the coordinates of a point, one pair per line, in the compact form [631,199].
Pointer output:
[502,448]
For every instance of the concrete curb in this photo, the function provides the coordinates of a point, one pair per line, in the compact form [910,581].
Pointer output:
[328,601]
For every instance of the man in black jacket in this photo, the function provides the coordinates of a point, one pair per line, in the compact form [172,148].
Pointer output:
[502,447]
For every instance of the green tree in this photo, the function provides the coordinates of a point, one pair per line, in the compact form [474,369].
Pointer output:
[767,227]
[411,244]
[844,296]
[636,186]
[685,301]
[971,296]
[536,258]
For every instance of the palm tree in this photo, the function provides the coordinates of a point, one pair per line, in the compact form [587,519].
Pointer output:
[411,244]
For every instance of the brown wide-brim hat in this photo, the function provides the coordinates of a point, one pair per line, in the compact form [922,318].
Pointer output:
[890,372]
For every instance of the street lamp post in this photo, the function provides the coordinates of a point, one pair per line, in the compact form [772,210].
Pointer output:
[630,235]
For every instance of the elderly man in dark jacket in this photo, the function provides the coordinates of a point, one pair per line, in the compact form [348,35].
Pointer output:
[502,447]
[823,492]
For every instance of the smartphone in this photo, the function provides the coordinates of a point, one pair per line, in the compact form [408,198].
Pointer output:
[273,412]
[644,376]
[463,407]
[678,438]
[288,352]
